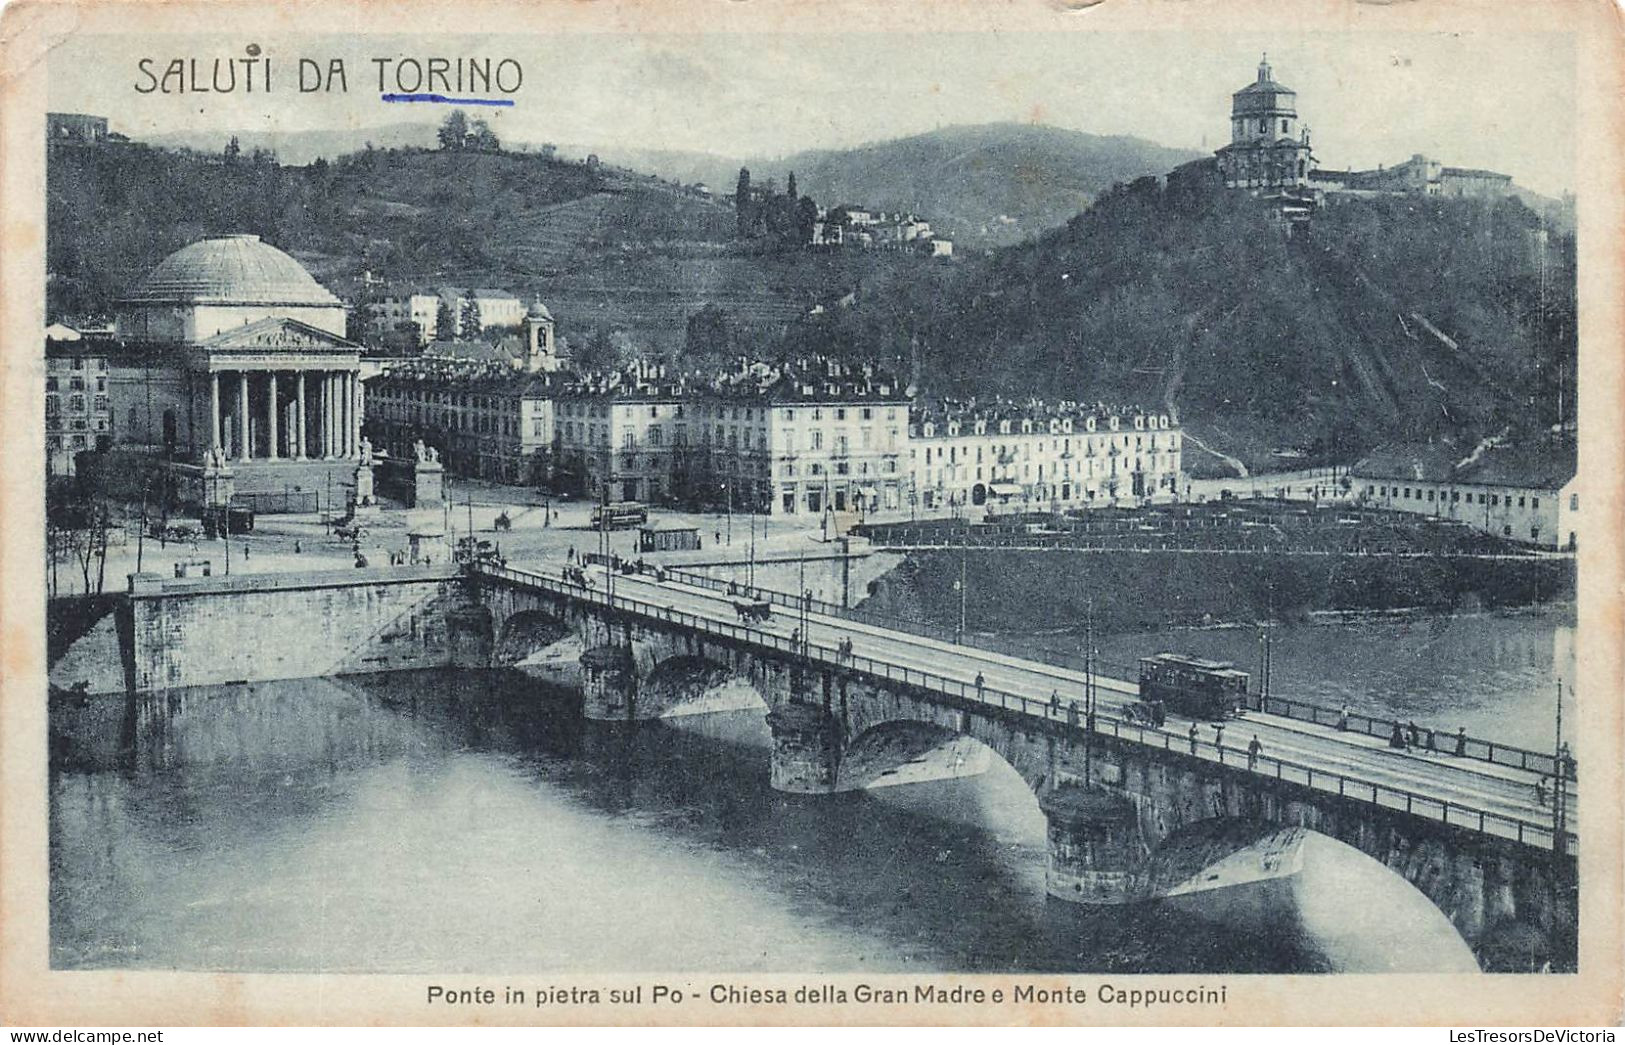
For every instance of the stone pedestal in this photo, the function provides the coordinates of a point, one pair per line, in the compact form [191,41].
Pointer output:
[219,485]
[806,749]
[428,484]
[609,685]
[1095,849]
[366,502]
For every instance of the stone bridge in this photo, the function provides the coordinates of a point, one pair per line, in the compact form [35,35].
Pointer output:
[1118,800]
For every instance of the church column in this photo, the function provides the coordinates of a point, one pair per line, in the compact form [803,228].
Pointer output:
[360,400]
[214,410]
[324,409]
[346,413]
[338,414]
[270,416]
[299,385]
[330,419]
[332,413]
[354,401]
[242,415]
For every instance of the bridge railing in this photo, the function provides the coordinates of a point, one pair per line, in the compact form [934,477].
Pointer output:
[910,625]
[1066,718]
[1475,748]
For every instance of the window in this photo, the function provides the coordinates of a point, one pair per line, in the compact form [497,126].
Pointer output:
[50,384]
[1455,497]
[840,413]
[867,414]
[1534,502]
[1574,502]
[1520,502]
[53,406]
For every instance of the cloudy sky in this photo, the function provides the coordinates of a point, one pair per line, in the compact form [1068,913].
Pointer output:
[1498,101]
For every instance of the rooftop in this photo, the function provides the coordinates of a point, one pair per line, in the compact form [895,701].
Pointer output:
[230,270]
[1536,465]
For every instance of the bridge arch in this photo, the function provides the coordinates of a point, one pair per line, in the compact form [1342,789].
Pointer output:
[694,683]
[1339,905]
[527,632]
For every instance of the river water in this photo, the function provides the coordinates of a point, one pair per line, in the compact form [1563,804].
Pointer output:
[472,821]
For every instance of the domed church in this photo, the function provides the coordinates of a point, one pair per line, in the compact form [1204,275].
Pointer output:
[233,359]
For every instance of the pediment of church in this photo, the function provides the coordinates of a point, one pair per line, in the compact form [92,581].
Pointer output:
[279,333]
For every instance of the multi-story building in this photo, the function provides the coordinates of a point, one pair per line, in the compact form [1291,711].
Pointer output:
[1061,455]
[78,414]
[625,432]
[1527,492]
[487,421]
[497,308]
[835,436]
[404,312]
[795,439]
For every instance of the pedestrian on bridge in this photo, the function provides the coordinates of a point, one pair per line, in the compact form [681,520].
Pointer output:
[1540,791]
[1343,719]
[1253,749]
[1054,700]
[1072,714]
[980,684]
[1412,733]
[1193,738]
[1218,738]
[1396,739]
[1432,744]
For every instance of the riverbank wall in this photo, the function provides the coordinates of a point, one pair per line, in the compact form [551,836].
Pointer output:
[208,631]
[1015,590]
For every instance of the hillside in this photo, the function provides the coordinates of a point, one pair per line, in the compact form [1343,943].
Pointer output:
[1393,318]
[984,185]
[605,248]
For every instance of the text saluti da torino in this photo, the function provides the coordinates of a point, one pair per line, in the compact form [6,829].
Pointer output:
[258,74]
[830,994]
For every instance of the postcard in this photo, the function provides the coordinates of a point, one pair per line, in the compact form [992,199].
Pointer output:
[715,513]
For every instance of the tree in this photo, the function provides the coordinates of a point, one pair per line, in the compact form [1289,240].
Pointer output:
[806,218]
[790,188]
[709,340]
[744,213]
[454,131]
[445,323]
[470,325]
[234,148]
[482,138]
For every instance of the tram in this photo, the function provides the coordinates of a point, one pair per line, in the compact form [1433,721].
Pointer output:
[1189,686]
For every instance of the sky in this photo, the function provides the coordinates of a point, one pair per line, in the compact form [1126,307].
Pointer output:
[1503,101]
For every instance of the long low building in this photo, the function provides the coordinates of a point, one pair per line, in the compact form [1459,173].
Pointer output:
[1526,492]
[1063,454]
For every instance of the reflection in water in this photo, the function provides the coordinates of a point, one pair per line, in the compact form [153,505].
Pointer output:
[464,821]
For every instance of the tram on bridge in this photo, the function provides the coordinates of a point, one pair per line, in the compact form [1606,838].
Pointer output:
[1189,686]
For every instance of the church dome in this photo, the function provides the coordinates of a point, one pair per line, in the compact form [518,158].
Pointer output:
[230,270]
[537,310]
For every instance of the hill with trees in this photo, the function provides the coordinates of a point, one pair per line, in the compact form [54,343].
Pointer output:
[608,249]
[1388,318]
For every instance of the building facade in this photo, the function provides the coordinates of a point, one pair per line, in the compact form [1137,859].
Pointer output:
[403,313]
[1035,454]
[497,308]
[78,410]
[487,421]
[625,435]
[1526,493]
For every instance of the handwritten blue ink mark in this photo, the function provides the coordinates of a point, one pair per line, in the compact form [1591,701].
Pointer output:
[443,100]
